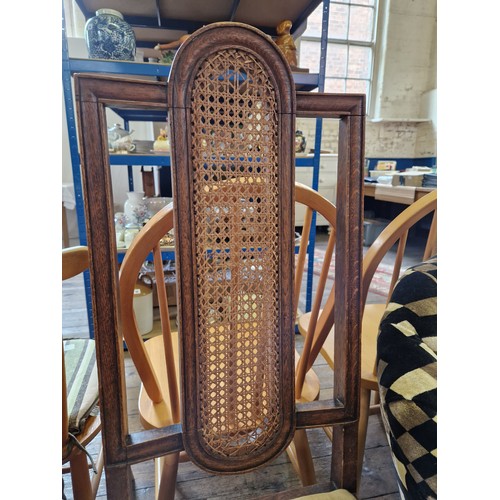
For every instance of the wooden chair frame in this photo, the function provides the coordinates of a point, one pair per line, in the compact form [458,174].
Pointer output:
[122,449]
[75,260]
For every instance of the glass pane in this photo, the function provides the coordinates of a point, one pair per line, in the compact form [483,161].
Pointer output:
[309,54]
[337,22]
[361,24]
[356,86]
[314,22]
[336,85]
[365,2]
[360,62]
[336,60]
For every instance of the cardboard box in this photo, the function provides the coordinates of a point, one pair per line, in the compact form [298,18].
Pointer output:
[386,165]
[408,179]
[378,173]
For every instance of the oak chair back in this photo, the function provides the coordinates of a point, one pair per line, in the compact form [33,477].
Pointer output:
[232,104]
[232,131]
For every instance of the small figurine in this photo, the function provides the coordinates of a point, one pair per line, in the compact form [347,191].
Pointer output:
[300,142]
[286,43]
[162,143]
[172,45]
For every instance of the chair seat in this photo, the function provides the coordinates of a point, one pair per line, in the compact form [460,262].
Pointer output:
[330,495]
[81,381]
[156,415]
[371,319]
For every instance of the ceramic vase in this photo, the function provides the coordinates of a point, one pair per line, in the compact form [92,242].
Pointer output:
[109,36]
[135,207]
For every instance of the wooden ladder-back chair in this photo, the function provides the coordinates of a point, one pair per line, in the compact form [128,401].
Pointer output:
[79,394]
[232,104]
[396,232]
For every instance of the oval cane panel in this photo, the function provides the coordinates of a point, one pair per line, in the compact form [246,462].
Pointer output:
[235,201]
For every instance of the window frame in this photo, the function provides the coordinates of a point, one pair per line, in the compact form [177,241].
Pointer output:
[371,79]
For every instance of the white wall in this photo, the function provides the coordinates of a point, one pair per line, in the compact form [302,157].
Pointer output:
[408,34]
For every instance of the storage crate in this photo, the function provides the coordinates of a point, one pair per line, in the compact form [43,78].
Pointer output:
[372,228]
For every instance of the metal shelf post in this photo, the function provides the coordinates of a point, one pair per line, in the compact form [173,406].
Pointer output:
[75,164]
[317,152]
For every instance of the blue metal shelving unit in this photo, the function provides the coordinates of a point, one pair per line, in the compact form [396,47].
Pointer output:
[303,81]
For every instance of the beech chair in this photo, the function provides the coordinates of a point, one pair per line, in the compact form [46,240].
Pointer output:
[157,359]
[396,232]
[79,397]
[232,104]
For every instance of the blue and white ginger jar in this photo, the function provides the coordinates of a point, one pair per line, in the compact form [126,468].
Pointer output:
[108,36]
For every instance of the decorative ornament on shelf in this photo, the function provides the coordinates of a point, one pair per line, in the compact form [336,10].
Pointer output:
[300,142]
[135,208]
[120,223]
[169,49]
[131,231]
[109,36]
[162,142]
[120,140]
[286,43]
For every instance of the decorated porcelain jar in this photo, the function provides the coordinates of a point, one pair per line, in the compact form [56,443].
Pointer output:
[109,36]
[135,208]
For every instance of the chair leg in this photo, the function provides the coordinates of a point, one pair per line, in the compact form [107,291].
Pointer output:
[96,479]
[300,455]
[364,412]
[80,477]
[166,476]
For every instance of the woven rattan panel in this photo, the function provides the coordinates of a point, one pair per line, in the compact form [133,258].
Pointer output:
[235,183]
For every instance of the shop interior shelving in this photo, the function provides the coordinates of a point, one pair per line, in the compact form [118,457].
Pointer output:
[166,20]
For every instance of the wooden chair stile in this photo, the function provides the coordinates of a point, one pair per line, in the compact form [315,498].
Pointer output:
[233,384]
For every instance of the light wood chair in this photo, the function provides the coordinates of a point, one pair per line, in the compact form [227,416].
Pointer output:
[395,233]
[308,390]
[232,103]
[79,399]
[157,359]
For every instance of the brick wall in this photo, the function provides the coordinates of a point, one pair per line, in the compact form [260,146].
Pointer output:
[391,139]
[403,79]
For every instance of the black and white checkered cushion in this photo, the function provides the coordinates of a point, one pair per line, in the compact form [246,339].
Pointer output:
[407,377]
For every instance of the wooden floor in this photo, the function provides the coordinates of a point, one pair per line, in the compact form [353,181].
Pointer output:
[378,478]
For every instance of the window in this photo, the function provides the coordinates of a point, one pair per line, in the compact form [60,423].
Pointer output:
[350,49]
